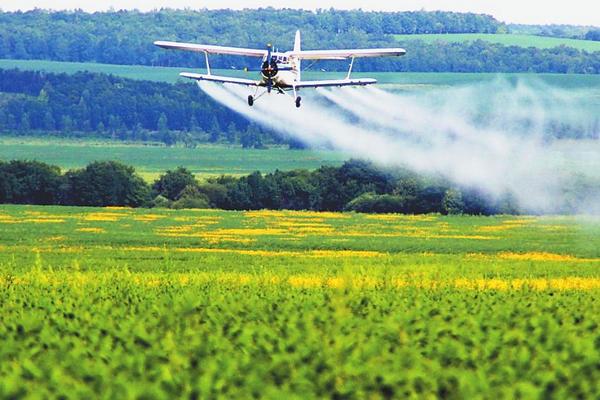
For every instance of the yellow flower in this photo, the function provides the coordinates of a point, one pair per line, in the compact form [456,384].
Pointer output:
[148,217]
[306,281]
[537,256]
[91,230]
[103,217]
[44,220]
[495,228]
[55,238]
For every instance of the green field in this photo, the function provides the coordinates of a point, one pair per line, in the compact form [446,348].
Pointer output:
[151,160]
[409,80]
[121,303]
[541,42]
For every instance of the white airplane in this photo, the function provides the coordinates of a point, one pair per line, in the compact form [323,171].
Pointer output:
[281,71]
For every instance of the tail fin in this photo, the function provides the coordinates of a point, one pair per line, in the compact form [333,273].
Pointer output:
[298,47]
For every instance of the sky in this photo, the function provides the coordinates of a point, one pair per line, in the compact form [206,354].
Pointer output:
[573,12]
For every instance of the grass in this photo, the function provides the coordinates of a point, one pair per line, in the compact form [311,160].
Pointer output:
[118,303]
[152,160]
[408,79]
[541,42]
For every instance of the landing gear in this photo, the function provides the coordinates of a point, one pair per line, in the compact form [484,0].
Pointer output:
[250,100]
[298,101]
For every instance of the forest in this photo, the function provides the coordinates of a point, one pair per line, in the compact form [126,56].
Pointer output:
[125,37]
[101,105]
[34,103]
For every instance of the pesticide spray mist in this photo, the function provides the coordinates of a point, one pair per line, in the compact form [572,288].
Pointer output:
[495,136]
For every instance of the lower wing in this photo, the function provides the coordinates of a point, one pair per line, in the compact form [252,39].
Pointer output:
[335,82]
[221,79]
[301,84]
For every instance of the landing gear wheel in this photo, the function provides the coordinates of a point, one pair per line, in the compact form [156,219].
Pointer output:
[298,101]
[250,100]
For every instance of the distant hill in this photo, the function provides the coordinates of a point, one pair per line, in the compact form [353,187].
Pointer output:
[125,37]
[559,31]
[540,42]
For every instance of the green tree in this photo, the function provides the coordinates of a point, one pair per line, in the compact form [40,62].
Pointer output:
[30,182]
[215,193]
[231,132]
[25,125]
[194,126]
[172,183]
[8,186]
[376,203]
[49,124]
[452,203]
[164,134]
[114,126]
[106,183]
[161,202]
[214,131]
[191,197]
[251,138]
[3,119]
[593,34]
[100,128]
[66,124]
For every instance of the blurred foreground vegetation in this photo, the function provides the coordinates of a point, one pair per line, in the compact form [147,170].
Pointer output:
[130,303]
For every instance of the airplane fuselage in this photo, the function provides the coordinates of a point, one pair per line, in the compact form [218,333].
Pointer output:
[286,73]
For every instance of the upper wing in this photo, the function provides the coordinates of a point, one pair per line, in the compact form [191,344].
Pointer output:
[341,54]
[335,82]
[211,49]
[222,79]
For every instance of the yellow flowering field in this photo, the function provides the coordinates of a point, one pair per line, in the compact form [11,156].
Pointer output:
[118,302]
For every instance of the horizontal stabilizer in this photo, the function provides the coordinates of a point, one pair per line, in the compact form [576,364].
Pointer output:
[221,79]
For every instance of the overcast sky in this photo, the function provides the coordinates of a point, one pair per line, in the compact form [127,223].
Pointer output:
[576,12]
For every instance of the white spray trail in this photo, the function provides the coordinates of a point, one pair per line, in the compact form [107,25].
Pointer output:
[435,133]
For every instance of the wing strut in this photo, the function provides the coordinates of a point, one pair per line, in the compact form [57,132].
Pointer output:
[207,63]
[350,69]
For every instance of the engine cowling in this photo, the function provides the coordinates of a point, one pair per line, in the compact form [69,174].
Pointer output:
[269,69]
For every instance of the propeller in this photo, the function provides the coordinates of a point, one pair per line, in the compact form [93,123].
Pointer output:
[269,68]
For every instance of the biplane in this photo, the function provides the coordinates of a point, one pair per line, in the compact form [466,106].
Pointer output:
[281,71]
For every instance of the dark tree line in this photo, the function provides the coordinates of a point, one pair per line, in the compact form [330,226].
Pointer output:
[98,184]
[84,104]
[593,34]
[355,186]
[551,30]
